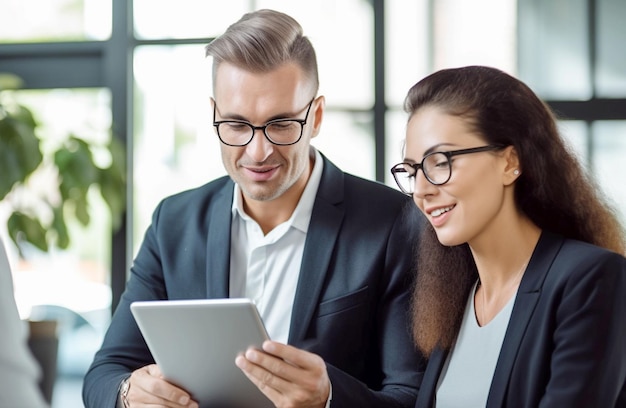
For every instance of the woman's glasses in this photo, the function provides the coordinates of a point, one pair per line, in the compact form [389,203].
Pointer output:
[437,168]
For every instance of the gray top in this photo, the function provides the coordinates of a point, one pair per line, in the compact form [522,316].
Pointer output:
[466,377]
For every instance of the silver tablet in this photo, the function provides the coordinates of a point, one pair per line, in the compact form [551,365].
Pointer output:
[195,342]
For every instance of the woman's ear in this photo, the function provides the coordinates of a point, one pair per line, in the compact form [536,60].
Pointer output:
[512,169]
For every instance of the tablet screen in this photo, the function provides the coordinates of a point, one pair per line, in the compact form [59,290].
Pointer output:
[195,343]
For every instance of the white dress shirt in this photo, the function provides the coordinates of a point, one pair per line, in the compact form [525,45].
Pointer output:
[265,268]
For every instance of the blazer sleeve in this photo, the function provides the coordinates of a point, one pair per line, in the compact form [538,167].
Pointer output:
[588,364]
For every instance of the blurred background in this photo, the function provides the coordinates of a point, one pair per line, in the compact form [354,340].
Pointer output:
[134,71]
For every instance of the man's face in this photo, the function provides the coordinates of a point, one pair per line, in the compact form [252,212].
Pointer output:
[265,171]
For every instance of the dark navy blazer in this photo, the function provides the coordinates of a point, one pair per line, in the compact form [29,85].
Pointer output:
[565,345]
[351,302]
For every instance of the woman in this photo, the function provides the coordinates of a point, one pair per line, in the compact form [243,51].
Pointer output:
[520,299]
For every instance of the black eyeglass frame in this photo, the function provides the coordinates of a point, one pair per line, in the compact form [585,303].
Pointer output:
[400,167]
[302,122]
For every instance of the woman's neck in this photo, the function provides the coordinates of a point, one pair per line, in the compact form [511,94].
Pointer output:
[501,264]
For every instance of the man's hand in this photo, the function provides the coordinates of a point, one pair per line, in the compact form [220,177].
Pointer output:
[288,376]
[149,388]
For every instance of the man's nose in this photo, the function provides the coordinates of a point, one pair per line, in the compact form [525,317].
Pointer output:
[259,148]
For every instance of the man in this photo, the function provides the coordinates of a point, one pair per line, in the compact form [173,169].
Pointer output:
[324,255]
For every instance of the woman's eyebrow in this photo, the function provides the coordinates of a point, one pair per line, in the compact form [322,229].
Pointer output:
[436,148]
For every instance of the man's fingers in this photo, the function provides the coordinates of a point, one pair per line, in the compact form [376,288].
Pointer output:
[148,387]
[309,370]
[269,384]
[302,380]
[293,355]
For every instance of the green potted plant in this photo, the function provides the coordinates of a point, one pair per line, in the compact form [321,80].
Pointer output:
[38,217]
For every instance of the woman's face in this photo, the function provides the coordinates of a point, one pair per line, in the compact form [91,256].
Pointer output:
[472,201]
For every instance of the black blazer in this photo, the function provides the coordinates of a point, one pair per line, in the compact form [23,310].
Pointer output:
[351,302]
[565,345]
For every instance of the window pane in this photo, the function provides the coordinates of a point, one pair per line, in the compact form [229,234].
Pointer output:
[347,140]
[161,19]
[71,286]
[608,161]
[406,47]
[611,68]
[54,20]
[175,147]
[479,32]
[576,135]
[554,48]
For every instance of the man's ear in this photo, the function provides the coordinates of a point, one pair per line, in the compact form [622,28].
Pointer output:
[317,114]
[512,169]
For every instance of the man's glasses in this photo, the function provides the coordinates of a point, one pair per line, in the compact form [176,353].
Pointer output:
[281,132]
[437,168]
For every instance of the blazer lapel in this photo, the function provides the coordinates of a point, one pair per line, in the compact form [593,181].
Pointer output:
[428,388]
[326,218]
[525,303]
[218,243]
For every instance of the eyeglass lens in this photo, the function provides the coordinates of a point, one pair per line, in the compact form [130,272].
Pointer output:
[436,168]
[279,132]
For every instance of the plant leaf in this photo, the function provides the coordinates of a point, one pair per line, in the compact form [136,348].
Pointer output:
[60,228]
[21,155]
[22,226]
[20,152]
[81,209]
